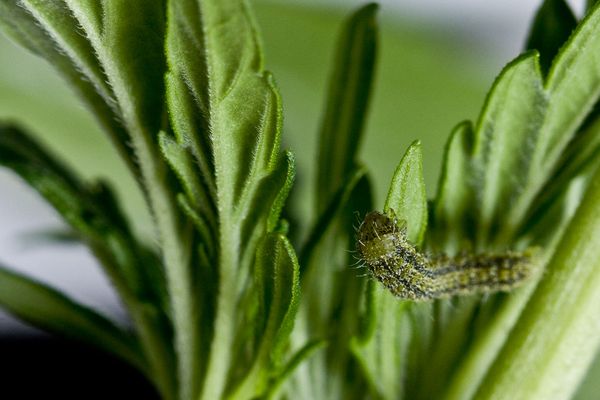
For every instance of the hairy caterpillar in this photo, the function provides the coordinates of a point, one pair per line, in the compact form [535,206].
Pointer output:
[410,274]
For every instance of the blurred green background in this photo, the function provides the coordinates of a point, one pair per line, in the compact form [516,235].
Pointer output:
[426,82]
[428,79]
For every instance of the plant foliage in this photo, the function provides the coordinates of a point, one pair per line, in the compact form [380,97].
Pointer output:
[222,306]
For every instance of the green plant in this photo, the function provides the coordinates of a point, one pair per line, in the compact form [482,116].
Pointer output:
[223,307]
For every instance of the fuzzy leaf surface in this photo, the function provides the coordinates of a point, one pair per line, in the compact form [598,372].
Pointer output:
[226,116]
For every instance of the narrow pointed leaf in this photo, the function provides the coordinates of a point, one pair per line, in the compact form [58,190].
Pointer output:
[51,310]
[347,102]
[91,211]
[454,207]
[551,28]
[48,30]
[339,201]
[508,126]
[572,88]
[407,196]
[381,346]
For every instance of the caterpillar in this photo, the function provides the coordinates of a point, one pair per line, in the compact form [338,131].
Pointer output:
[410,274]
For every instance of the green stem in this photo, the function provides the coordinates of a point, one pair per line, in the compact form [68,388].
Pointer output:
[485,348]
[173,235]
[557,335]
[220,351]
[174,239]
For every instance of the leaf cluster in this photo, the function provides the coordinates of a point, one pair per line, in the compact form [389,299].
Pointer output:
[221,306]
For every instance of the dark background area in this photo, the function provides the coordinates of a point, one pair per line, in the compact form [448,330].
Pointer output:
[45,367]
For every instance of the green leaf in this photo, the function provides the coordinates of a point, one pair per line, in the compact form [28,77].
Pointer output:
[331,289]
[52,31]
[347,103]
[573,88]
[555,153]
[453,216]
[113,54]
[51,310]
[562,315]
[233,71]
[508,126]
[131,52]
[226,114]
[478,177]
[477,183]
[381,347]
[93,213]
[277,277]
[552,26]
[279,202]
[339,201]
[285,297]
[70,197]
[288,369]
[118,47]
[525,127]
[182,163]
[407,196]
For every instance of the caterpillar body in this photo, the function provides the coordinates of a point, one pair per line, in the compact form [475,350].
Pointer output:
[410,274]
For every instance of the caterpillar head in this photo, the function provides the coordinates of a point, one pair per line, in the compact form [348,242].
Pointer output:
[376,224]
[378,235]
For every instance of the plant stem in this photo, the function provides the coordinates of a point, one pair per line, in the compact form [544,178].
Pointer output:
[174,238]
[556,337]
[485,347]
[220,350]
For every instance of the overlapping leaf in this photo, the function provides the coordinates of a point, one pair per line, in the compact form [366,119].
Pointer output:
[331,290]
[528,125]
[507,129]
[225,112]
[513,173]
[277,280]
[94,215]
